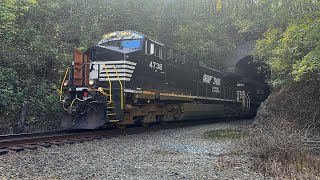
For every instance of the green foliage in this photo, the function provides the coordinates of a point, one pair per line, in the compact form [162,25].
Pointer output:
[30,60]
[208,43]
[309,63]
[9,91]
[42,101]
[292,53]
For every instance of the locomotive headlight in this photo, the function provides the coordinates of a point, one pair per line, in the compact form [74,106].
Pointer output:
[65,83]
[91,82]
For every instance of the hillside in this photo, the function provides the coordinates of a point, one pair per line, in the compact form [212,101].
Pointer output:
[287,119]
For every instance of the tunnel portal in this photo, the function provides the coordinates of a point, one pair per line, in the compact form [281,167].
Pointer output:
[248,68]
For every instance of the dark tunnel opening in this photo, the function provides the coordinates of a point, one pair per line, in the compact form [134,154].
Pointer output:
[254,72]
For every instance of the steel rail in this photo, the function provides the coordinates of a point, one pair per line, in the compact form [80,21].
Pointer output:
[19,142]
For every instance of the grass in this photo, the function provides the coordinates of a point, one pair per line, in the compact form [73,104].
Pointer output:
[222,134]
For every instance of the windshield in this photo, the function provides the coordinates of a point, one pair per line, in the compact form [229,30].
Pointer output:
[131,44]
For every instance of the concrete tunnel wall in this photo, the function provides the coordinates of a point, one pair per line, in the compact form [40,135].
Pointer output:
[241,62]
[239,53]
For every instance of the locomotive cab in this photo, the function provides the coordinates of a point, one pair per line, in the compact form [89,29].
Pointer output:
[97,81]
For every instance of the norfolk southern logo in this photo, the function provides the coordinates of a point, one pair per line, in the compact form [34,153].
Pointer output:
[212,80]
[207,78]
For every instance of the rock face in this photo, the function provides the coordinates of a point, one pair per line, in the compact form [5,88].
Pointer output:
[297,103]
[263,112]
[284,121]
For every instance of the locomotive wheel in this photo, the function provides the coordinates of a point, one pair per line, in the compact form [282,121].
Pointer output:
[144,124]
[162,122]
[120,126]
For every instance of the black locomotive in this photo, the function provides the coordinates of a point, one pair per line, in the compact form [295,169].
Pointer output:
[130,78]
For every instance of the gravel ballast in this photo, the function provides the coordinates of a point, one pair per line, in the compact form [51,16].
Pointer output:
[182,153]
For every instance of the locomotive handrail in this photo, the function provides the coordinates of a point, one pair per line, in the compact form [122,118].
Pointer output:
[248,101]
[245,101]
[110,84]
[206,90]
[61,86]
[121,87]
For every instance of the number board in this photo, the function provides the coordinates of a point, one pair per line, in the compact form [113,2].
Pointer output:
[155,65]
[117,34]
[120,35]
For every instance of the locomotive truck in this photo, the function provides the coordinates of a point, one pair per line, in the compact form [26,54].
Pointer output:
[130,78]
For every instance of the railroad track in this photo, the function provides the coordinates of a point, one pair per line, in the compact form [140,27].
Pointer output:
[312,144]
[33,141]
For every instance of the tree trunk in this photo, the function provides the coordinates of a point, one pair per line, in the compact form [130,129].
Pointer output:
[22,118]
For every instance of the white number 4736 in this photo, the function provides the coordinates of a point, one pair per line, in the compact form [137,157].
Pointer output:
[155,65]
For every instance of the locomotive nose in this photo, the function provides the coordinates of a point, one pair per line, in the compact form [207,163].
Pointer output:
[88,117]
